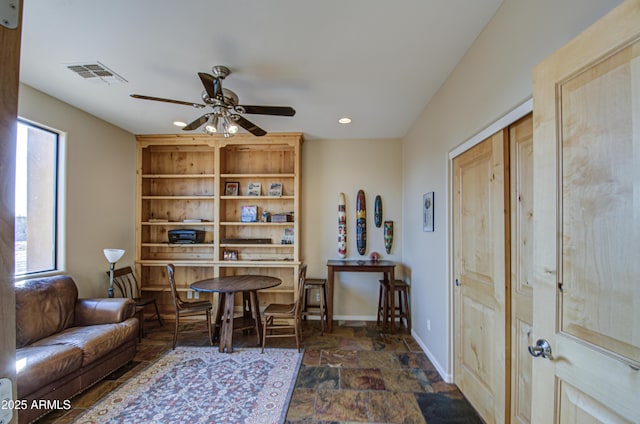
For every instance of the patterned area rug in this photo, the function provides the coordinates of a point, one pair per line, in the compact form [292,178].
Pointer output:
[201,385]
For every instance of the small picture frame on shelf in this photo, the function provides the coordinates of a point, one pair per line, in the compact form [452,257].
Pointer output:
[249,214]
[230,255]
[275,190]
[254,189]
[231,188]
[287,236]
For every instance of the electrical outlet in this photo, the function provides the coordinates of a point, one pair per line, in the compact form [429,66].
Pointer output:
[189,294]
[428,325]
[318,297]
[196,295]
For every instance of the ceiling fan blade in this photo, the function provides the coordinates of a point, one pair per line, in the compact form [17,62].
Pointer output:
[197,123]
[207,82]
[269,110]
[212,85]
[248,125]
[160,99]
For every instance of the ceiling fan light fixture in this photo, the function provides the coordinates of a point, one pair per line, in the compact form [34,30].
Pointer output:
[212,126]
[221,124]
[179,124]
[228,128]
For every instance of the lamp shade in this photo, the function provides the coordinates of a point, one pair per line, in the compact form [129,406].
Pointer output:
[113,255]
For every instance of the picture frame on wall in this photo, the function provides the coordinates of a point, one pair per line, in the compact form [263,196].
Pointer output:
[427,212]
[231,188]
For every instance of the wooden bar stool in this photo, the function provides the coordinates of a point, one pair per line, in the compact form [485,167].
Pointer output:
[401,310]
[321,309]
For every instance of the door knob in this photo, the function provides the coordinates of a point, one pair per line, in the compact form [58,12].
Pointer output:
[541,348]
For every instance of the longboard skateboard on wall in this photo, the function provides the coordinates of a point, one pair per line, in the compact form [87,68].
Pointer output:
[377,211]
[361,223]
[342,227]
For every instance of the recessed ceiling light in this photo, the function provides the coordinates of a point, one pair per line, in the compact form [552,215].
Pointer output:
[344,120]
[179,124]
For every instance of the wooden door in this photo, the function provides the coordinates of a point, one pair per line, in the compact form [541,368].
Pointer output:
[521,248]
[587,225]
[9,65]
[480,301]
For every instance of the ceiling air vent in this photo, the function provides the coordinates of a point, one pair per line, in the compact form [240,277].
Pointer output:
[96,70]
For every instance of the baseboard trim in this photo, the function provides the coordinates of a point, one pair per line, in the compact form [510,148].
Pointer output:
[448,378]
[354,318]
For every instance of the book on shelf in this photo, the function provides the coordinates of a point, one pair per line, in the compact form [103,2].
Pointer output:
[246,241]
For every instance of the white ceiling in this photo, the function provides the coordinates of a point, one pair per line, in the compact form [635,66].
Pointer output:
[376,61]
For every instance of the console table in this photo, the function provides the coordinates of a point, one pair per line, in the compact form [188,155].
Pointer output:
[387,268]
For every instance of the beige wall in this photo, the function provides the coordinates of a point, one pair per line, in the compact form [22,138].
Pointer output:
[492,79]
[100,187]
[333,166]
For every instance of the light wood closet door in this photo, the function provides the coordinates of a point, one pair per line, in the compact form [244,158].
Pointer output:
[521,200]
[587,225]
[479,270]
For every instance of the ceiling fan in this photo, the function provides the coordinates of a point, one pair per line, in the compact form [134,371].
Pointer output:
[226,113]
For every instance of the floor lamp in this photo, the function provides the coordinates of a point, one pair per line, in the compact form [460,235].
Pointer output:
[113,256]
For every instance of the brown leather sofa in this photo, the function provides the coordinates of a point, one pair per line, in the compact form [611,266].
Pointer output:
[65,344]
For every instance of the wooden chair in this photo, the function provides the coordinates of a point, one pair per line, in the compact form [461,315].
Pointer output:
[126,283]
[278,316]
[402,309]
[183,308]
[320,310]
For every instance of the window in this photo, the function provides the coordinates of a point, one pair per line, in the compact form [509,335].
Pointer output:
[36,208]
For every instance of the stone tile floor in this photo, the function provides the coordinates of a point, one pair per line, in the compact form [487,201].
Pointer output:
[354,374]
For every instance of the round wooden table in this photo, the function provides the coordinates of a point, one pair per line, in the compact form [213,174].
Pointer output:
[229,286]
